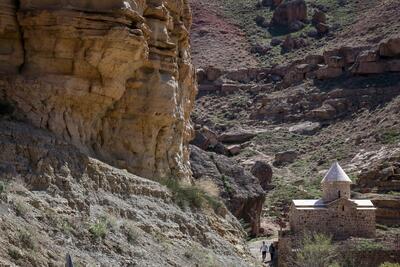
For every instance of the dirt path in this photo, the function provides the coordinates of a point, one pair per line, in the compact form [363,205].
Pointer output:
[254,247]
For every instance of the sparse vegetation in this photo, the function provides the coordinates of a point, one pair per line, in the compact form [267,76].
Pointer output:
[132,233]
[390,137]
[27,239]
[244,12]
[368,245]
[389,264]
[281,196]
[66,227]
[203,257]
[21,209]
[98,229]
[316,250]
[227,185]
[190,196]
[14,253]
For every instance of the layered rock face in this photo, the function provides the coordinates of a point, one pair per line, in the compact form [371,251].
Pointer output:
[241,192]
[112,77]
[56,200]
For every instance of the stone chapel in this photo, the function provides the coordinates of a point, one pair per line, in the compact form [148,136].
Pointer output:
[336,213]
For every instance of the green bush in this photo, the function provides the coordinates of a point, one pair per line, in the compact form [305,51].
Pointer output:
[132,233]
[227,186]
[27,239]
[99,229]
[316,250]
[390,137]
[190,196]
[14,253]
[368,245]
[21,209]
[389,264]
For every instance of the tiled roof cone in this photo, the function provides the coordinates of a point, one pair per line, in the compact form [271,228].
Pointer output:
[336,174]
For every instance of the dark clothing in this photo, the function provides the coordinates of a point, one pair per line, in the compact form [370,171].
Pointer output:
[272,251]
[271,248]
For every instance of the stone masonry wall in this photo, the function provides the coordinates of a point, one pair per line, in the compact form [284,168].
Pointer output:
[331,191]
[334,221]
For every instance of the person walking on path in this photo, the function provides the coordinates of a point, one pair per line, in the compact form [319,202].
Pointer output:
[272,251]
[264,249]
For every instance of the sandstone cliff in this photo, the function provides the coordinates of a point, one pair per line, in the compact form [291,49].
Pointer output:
[113,77]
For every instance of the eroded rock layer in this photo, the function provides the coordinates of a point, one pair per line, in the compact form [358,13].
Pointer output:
[113,77]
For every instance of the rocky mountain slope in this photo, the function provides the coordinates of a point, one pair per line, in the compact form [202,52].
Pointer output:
[334,98]
[250,33]
[56,200]
[93,93]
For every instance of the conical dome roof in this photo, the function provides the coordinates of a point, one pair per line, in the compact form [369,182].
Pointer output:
[336,174]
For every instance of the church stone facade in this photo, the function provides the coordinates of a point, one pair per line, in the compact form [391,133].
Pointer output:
[336,213]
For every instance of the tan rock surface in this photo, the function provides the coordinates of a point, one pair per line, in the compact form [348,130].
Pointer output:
[113,77]
[56,200]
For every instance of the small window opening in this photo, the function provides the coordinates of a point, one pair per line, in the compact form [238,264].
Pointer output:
[342,208]
[339,194]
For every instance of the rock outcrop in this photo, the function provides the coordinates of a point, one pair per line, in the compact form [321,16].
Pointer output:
[331,64]
[263,171]
[56,200]
[289,12]
[241,191]
[113,77]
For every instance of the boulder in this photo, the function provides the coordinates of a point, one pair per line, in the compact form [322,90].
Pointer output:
[260,49]
[314,59]
[263,171]
[285,157]
[296,26]
[390,47]
[325,72]
[236,137]
[318,17]
[276,41]
[204,138]
[305,128]
[325,112]
[289,12]
[260,20]
[291,43]
[313,33]
[201,75]
[367,67]
[350,54]
[234,150]
[240,191]
[213,73]
[393,65]
[368,56]
[334,59]
[322,28]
